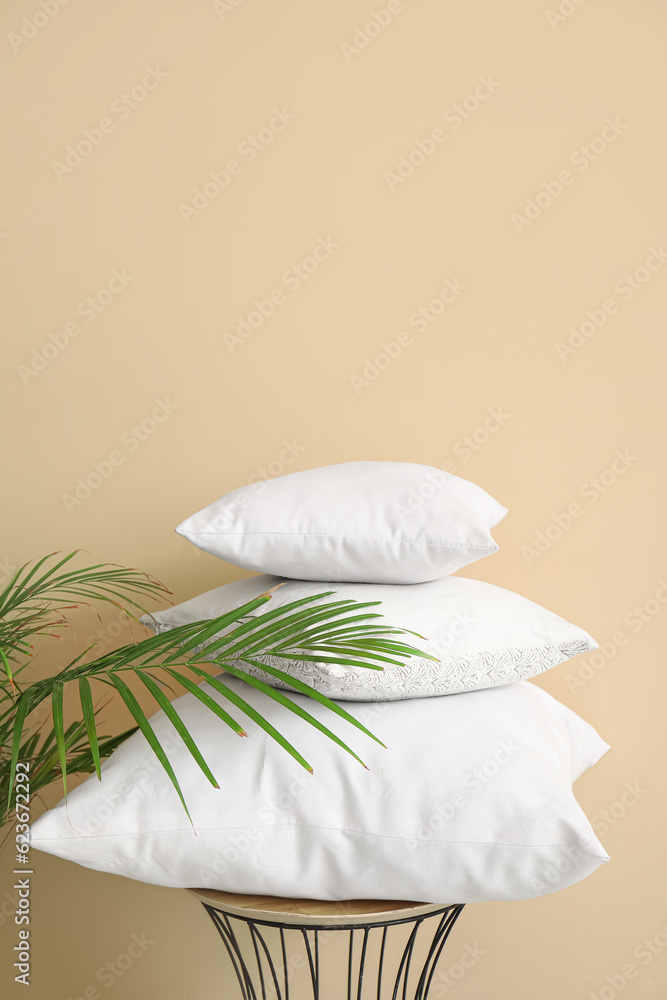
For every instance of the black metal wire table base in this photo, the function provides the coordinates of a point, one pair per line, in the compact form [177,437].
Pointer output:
[266,953]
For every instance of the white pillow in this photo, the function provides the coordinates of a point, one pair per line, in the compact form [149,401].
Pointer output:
[377,522]
[471,801]
[482,635]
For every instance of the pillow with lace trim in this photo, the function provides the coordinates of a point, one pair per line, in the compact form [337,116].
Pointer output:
[480,635]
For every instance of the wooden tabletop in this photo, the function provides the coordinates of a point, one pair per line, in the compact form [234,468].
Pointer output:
[287,910]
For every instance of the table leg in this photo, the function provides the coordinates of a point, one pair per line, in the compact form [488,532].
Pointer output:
[258,950]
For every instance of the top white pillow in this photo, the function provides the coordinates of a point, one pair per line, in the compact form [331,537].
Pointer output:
[371,522]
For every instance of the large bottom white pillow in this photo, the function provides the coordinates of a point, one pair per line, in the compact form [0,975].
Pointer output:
[471,801]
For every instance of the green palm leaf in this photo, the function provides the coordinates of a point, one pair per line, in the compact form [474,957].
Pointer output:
[307,690]
[245,707]
[177,723]
[145,727]
[22,710]
[86,696]
[59,727]
[31,605]
[286,702]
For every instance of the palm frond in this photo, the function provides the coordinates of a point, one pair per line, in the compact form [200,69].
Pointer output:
[343,632]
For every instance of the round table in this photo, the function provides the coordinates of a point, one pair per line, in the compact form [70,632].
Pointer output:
[269,939]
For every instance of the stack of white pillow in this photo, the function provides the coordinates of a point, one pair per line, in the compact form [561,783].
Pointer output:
[470,799]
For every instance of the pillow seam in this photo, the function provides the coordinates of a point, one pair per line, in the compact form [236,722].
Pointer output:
[348,538]
[301,826]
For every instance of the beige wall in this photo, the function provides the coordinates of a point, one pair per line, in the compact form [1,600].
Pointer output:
[553,82]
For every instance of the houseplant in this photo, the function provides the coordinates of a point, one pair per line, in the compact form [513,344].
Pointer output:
[37,602]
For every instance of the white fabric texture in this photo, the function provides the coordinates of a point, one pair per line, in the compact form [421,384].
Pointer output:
[376,522]
[482,635]
[471,801]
